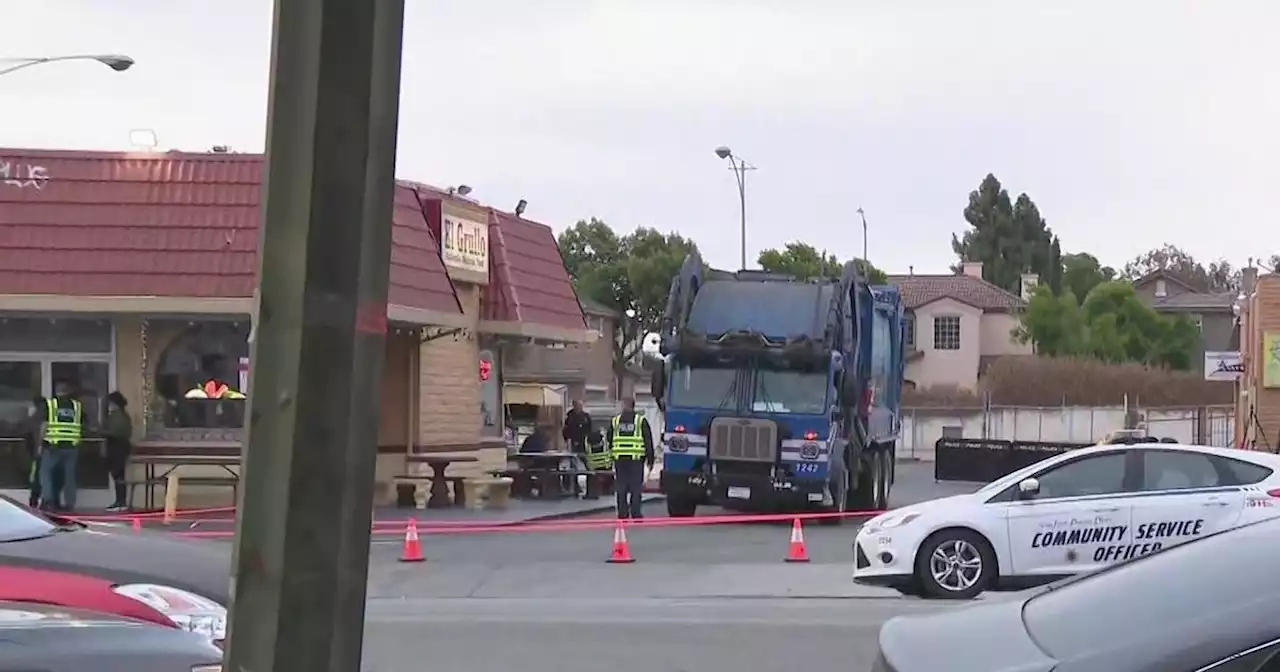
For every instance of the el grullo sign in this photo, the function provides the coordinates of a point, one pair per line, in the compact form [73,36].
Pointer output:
[464,244]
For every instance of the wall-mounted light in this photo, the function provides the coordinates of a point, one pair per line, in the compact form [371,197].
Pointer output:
[521,206]
[460,190]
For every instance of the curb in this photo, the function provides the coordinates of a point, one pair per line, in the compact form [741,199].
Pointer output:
[573,514]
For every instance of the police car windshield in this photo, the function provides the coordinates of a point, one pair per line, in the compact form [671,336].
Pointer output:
[1184,586]
[18,522]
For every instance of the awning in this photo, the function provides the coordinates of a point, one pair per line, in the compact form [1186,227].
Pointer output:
[532,394]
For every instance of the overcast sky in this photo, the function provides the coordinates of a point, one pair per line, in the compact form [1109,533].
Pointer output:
[1129,123]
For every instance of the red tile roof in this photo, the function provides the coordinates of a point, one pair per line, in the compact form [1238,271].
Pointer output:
[530,283]
[164,224]
[921,290]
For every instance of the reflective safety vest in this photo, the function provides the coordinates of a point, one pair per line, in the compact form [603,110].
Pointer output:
[628,437]
[213,390]
[598,457]
[62,425]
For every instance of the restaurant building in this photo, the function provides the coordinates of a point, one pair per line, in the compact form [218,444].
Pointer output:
[136,272]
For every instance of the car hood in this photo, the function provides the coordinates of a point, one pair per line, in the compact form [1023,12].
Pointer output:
[28,615]
[980,638]
[122,555]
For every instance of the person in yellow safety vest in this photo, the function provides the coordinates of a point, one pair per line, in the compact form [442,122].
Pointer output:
[598,460]
[631,447]
[213,389]
[61,432]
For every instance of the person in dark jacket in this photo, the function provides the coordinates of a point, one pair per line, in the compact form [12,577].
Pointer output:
[577,428]
[119,435]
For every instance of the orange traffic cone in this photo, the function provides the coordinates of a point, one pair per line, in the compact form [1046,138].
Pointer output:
[796,552]
[412,551]
[621,549]
[135,524]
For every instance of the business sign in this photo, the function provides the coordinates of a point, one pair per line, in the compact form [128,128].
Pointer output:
[464,244]
[1225,365]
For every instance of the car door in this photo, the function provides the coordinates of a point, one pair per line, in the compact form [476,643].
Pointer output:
[1184,495]
[1082,510]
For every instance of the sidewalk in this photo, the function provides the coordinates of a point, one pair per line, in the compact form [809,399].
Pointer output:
[386,518]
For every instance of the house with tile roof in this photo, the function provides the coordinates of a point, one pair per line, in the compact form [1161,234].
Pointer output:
[1211,312]
[137,272]
[956,323]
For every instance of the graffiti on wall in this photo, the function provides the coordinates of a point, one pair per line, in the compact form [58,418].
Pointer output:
[23,175]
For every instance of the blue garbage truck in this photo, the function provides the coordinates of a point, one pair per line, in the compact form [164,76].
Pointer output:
[778,394]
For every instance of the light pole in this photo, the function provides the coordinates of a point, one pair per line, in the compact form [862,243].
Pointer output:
[116,62]
[739,166]
[863,215]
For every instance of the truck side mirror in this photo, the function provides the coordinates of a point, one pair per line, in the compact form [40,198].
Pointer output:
[658,381]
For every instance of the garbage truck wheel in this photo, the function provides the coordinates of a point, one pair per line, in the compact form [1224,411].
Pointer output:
[679,507]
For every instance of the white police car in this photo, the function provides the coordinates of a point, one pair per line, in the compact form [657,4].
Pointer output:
[1071,513]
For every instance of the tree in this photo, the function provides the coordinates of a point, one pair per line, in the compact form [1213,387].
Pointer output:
[1111,324]
[1009,238]
[1081,272]
[630,274]
[1217,276]
[802,260]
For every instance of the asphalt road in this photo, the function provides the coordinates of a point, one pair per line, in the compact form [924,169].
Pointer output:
[714,597]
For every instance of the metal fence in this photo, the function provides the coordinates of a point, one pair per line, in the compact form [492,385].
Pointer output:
[923,427]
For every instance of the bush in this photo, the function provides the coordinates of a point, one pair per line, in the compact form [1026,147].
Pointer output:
[940,396]
[1069,381]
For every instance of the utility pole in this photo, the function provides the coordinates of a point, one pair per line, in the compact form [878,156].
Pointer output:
[863,215]
[302,533]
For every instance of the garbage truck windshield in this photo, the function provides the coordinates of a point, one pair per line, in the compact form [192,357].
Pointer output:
[703,386]
[794,389]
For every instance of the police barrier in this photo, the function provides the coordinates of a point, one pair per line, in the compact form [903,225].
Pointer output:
[985,460]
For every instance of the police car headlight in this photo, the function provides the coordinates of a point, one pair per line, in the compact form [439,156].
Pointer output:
[678,444]
[187,611]
[889,521]
[810,451]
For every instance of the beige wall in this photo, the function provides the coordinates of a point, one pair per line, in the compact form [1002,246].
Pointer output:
[947,367]
[997,336]
[449,393]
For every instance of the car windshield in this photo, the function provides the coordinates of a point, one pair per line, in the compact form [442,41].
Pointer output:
[1178,587]
[18,522]
[701,386]
[790,390]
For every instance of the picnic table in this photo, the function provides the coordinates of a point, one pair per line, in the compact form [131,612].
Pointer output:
[439,498]
[163,469]
[548,471]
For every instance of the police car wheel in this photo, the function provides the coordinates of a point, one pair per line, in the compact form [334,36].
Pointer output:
[955,564]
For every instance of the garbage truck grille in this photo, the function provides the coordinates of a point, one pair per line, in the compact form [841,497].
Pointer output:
[744,439]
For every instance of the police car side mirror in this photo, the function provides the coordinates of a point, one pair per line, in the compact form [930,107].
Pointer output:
[1029,488]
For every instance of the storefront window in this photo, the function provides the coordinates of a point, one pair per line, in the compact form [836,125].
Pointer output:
[198,377]
[36,353]
[491,424]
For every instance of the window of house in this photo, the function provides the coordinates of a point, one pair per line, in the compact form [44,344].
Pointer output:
[192,371]
[1161,288]
[909,326]
[946,332]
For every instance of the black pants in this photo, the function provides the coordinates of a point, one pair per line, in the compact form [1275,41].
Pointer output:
[117,459]
[629,486]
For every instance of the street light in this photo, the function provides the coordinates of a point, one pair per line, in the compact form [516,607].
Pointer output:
[117,62]
[739,166]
